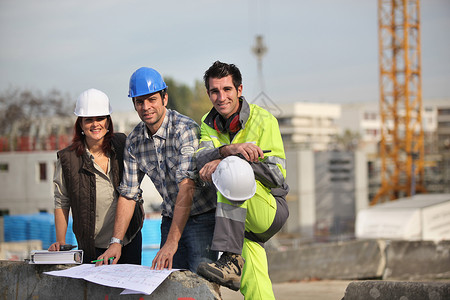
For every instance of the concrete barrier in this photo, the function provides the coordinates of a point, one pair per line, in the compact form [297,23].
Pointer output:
[361,260]
[346,260]
[20,280]
[350,260]
[417,260]
[388,290]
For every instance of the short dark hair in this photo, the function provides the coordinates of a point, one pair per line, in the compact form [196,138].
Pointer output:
[220,70]
[162,92]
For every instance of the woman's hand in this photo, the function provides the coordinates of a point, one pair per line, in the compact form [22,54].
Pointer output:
[55,246]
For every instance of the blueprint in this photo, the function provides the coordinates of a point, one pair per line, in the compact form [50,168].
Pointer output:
[135,279]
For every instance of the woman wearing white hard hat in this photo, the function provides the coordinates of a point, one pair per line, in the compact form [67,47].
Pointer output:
[86,176]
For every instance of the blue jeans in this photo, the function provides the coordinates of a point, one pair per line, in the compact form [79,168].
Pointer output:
[194,246]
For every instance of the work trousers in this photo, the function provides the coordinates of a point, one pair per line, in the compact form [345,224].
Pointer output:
[255,218]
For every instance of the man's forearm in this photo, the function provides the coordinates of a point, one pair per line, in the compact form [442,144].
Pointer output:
[206,155]
[182,209]
[124,213]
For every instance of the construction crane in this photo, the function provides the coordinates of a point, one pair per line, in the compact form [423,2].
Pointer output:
[401,145]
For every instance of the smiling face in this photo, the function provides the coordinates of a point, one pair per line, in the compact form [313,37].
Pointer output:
[224,96]
[151,109]
[94,128]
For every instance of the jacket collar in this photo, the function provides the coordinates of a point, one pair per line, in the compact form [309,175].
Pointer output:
[244,114]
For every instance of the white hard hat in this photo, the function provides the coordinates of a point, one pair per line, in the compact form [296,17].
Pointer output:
[92,103]
[234,178]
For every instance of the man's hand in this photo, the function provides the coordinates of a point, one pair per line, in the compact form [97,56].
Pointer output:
[164,257]
[114,250]
[249,151]
[205,173]
[183,203]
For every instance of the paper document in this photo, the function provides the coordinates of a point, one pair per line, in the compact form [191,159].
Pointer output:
[133,278]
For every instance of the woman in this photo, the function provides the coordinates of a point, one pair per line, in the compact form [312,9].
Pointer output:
[86,177]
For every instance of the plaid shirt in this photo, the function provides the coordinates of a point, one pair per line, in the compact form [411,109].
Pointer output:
[167,158]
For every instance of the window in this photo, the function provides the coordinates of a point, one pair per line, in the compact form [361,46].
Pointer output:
[370,116]
[4,167]
[284,121]
[444,111]
[42,171]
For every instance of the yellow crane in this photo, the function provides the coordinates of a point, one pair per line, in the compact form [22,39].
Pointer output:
[401,145]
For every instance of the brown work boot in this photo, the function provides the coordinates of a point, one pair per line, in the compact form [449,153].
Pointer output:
[226,271]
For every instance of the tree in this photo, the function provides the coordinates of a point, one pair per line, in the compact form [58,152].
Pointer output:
[22,107]
[348,141]
[180,95]
[192,102]
[201,104]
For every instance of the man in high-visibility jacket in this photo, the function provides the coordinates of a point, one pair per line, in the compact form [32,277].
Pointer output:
[235,127]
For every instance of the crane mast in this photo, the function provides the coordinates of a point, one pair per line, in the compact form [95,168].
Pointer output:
[401,145]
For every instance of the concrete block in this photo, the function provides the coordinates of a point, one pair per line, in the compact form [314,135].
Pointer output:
[20,280]
[419,260]
[388,290]
[348,260]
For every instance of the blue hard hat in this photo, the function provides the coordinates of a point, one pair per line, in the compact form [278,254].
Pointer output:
[145,81]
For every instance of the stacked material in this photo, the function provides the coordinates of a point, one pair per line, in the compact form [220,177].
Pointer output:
[42,227]
[35,227]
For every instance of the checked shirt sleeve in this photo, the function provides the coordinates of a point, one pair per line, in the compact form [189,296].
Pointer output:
[188,139]
[132,175]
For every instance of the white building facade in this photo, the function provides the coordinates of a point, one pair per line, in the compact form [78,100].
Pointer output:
[26,182]
[309,125]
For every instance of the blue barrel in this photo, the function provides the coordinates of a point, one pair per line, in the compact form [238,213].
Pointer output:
[39,226]
[15,228]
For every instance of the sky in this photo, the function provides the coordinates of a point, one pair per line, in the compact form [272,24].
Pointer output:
[318,51]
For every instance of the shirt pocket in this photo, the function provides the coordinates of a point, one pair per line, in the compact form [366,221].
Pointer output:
[147,166]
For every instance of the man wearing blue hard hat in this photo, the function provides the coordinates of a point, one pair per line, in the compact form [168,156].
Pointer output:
[163,147]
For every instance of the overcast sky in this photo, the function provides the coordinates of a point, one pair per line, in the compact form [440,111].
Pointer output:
[318,51]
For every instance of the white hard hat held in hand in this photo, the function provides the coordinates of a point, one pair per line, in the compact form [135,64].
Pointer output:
[92,103]
[234,178]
